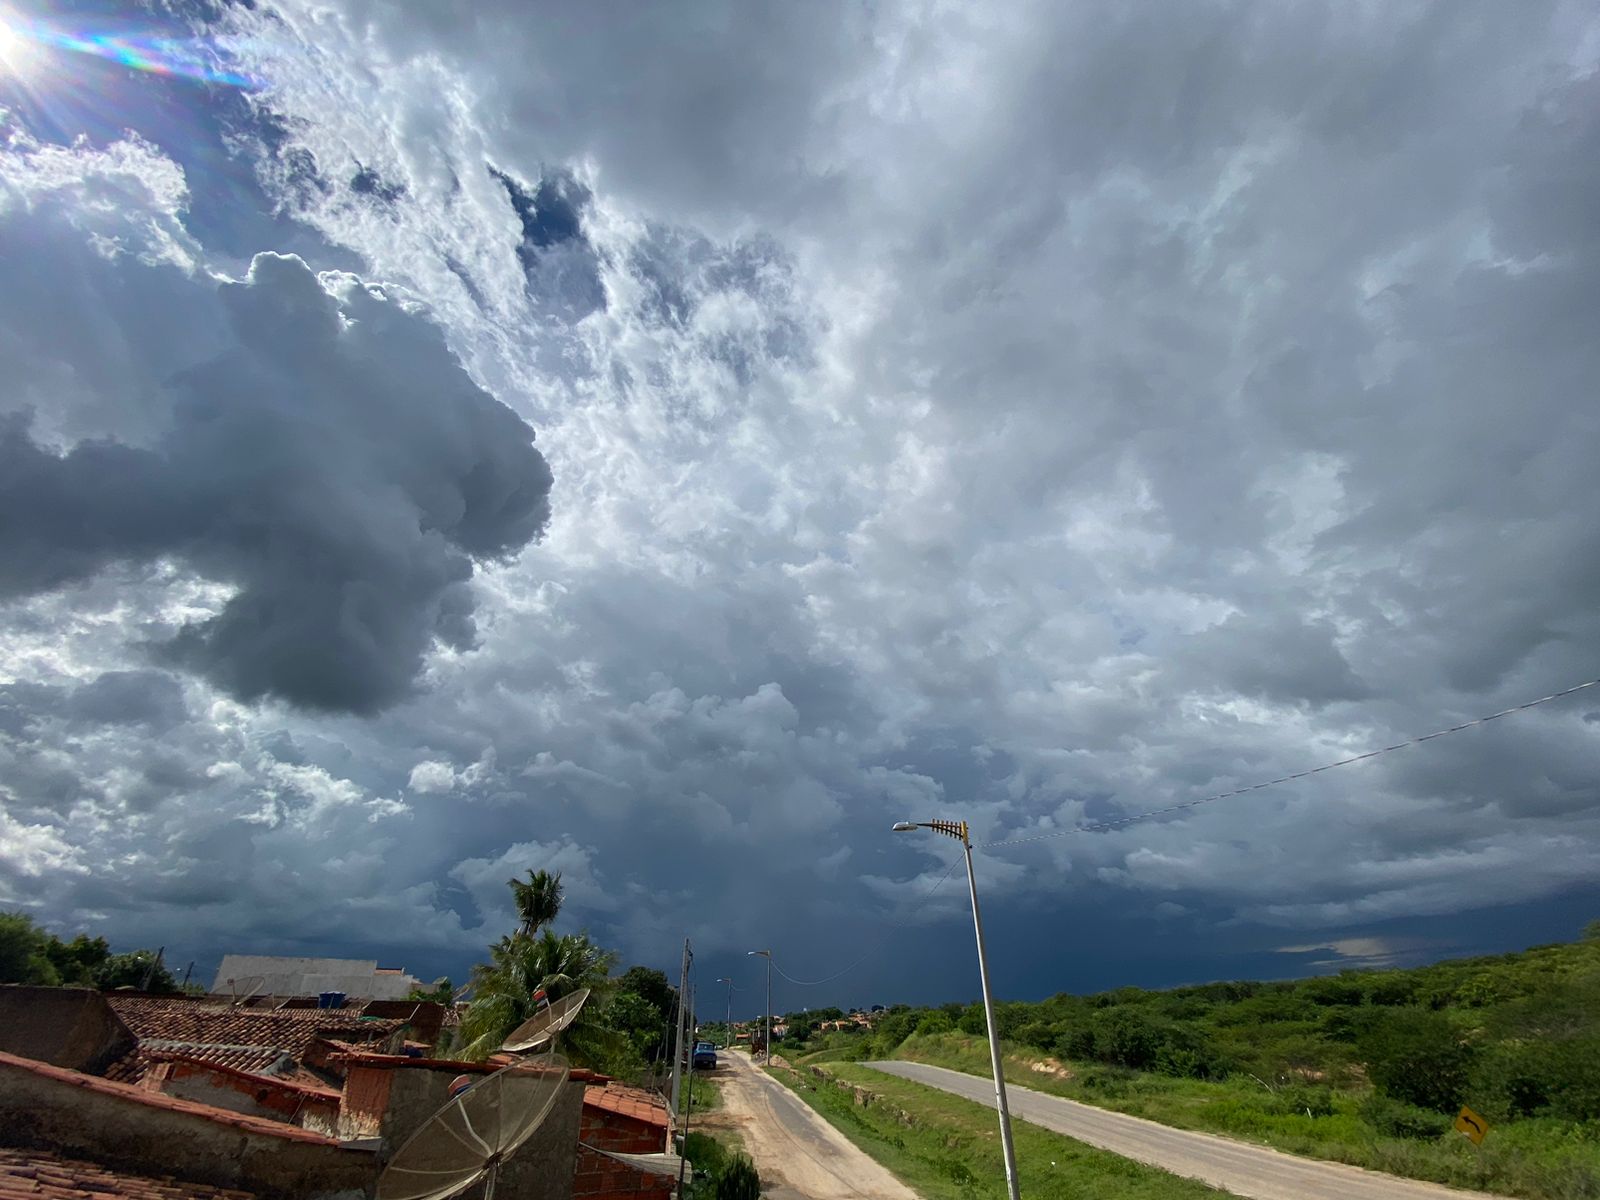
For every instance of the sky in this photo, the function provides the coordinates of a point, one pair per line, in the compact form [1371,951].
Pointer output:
[670,444]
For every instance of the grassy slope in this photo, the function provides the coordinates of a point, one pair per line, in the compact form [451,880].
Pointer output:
[1544,1160]
[1530,1015]
[952,1150]
[705,1094]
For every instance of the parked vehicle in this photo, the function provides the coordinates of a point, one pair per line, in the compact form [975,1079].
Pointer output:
[705,1056]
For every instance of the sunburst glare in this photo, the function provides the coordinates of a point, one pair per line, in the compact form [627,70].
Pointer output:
[178,57]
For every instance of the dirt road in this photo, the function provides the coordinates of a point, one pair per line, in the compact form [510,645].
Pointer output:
[1239,1167]
[800,1156]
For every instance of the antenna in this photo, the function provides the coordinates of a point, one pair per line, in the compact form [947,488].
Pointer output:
[474,1133]
[546,1023]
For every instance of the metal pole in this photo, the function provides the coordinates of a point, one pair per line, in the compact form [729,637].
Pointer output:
[688,1111]
[727,1034]
[677,1049]
[994,1036]
[769,1008]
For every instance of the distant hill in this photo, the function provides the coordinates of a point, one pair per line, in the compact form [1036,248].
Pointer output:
[1516,1035]
[1368,1067]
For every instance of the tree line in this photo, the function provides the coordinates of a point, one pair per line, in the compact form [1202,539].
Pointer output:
[32,954]
[1514,1036]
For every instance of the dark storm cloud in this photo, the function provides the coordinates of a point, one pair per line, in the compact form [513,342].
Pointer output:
[1277,656]
[150,698]
[336,466]
[1037,415]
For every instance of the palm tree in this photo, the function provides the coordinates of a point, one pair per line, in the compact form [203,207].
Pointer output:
[538,900]
[519,966]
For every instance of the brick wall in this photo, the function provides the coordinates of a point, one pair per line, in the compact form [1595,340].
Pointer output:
[597,1177]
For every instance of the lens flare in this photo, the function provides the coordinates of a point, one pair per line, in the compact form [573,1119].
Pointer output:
[179,58]
[13,47]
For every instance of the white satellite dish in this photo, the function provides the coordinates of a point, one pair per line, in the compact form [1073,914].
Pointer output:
[546,1023]
[474,1133]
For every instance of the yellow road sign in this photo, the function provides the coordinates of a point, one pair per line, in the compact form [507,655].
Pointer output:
[1471,1124]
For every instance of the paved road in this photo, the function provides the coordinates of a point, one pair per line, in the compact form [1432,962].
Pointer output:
[1241,1168]
[800,1156]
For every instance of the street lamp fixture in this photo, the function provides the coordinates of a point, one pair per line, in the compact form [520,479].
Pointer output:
[766,954]
[958,830]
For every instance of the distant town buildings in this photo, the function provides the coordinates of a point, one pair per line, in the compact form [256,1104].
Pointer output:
[245,975]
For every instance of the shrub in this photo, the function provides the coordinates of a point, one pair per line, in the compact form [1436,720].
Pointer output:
[739,1180]
[1395,1118]
[1076,1043]
[1346,988]
[1039,1034]
[1548,1079]
[1127,1037]
[1416,1056]
[1303,1098]
[973,1021]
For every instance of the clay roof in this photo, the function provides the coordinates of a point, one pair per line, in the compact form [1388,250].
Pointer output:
[246,1039]
[300,1083]
[45,1175]
[135,1095]
[627,1102]
[130,1068]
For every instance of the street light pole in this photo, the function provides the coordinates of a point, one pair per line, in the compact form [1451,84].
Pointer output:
[958,830]
[767,954]
[727,1037]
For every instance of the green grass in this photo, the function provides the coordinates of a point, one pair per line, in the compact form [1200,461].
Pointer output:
[705,1094]
[951,1148]
[1538,1158]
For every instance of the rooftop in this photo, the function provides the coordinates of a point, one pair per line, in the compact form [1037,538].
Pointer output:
[627,1102]
[135,1095]
[45,1175]
[246,1039]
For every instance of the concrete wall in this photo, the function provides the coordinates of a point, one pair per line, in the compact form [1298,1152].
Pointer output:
[238,1093]
[92,1119]
[65,1027]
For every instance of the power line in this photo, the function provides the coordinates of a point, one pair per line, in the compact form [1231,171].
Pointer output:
[1256,787]
[1118,822]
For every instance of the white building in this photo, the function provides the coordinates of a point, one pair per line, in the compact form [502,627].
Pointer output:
[244,975]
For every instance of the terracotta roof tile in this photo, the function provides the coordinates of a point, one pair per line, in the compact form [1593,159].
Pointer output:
[135,1095]
[246,1039]
[628,1102]
[45,1175]
[298,1082]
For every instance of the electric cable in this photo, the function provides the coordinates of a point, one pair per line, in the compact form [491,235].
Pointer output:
[1118,822]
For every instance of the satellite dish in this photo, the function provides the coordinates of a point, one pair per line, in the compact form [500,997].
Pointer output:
[546,1023]
[470,1137]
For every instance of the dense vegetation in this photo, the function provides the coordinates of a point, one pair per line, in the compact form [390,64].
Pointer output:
[29,954]
[720,1173]
[622,1028]
[1367,1066]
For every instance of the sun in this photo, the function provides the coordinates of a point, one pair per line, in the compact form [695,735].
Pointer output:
[13,47]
